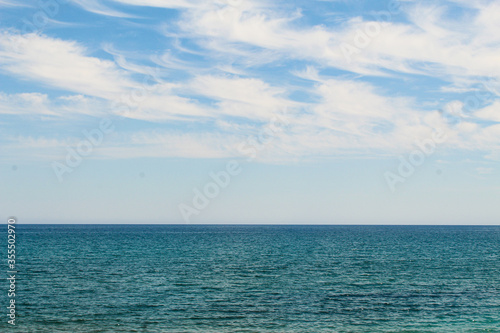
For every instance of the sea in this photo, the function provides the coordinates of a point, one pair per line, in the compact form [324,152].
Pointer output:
[253,278]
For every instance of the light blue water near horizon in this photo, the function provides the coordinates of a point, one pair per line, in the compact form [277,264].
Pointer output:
[255,278]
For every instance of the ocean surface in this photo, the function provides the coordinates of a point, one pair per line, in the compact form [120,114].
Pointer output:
[228,278]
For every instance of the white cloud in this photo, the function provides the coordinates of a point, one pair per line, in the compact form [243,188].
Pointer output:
[60,64]
[241,97]
[351,118]
[431,43]
[162,3]
[348,116]
[94,6]
[484,171]
[256,25]
[491,112]
[65,65]
[24,104]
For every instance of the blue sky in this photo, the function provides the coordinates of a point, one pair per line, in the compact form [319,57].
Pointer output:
[243,111]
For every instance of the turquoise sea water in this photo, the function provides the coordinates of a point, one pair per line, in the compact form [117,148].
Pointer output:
[189,278]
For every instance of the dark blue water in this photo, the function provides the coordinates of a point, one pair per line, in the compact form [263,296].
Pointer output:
[123,278]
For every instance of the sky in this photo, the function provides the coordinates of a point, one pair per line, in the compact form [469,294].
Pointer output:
[249,111]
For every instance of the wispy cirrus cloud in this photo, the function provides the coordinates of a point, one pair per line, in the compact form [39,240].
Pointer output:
[10,3]
[96,7]
[219,84]
[60,64]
